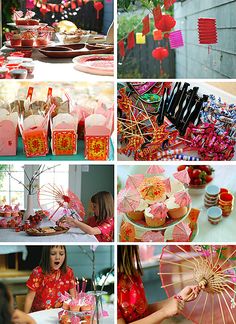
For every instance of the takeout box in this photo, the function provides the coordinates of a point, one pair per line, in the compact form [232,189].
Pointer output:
[97,137]
[8,132]
[64,134]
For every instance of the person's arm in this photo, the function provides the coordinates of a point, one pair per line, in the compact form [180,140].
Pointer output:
[29,300]
[84,227]
[171,308]
[19,317]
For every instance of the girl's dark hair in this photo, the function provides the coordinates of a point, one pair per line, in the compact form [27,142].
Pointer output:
[5,304]
[45,259]
[128,260]
[105,203]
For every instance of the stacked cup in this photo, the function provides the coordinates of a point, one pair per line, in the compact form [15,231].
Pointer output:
[211,196]
[226,203]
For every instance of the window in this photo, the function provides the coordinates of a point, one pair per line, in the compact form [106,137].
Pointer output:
[13,192]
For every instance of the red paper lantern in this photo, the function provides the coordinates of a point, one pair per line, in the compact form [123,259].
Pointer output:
[166,23]
[98,6]
[73,5]
[157,34]
[207,31]
[160,53]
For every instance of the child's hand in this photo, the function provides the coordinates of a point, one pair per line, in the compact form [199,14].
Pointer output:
[173,306]
[189,293]
[20,317]
[70,222]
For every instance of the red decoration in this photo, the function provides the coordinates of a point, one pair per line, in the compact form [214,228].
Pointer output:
[207,31]
[44,10]
[73,5]
[168,3]
[146,25]
[157,34]
[160,53]
[130,40]
[29,4]
[61,8]
[98,6]
[157,14]
[166,23]
[56,8]
[121,48]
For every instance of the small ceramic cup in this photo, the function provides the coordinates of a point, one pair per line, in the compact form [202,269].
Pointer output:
[214,215]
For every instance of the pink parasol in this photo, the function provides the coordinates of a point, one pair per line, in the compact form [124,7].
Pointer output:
[155,169]
[167,185]
[212,268]
[55,199]
[181,233]
[182,176]
[182,198]
[151,236]
[159,209]
[134,181]
[128,200]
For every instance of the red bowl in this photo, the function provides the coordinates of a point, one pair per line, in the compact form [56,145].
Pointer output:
[12,66]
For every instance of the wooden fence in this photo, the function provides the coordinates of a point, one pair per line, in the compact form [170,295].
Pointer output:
[139,63]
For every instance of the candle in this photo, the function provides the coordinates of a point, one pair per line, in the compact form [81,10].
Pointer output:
[77,285]
[84,283]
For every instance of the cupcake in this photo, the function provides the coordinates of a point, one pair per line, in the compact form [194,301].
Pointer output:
[27,39]
[42,41]
[15,40]
[7,211]
[175,211]
[15,211]
[66,304]
[155,215]
[152,190]
[74,306]
[127,232]
[138,213]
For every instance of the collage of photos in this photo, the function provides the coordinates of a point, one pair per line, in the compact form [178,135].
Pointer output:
[117,162]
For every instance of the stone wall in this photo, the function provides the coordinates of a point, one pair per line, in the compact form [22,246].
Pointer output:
[201,61]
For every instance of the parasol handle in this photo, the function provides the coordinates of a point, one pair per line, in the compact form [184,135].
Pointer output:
[202,283]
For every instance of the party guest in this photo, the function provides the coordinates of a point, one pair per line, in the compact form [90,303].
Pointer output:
[49,280]
[7,313]
[132,303]
[102,223]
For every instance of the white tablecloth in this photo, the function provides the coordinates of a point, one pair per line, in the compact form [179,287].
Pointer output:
[50,316]
[224,177]
[73,235]
[52,69]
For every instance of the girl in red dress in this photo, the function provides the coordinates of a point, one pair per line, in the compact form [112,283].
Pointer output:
[102,223]
[132,303]
[49,280]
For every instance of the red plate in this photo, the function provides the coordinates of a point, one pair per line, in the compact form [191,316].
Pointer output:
[102,64]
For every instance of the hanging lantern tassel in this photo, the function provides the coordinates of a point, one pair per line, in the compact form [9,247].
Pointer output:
[140,39]
[98,6]
[207,31]
[176,39]
[160,53]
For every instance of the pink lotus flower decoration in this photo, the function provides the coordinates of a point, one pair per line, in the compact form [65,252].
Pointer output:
[159,209]
[134,181]
[182,176]
[155,169]
[182,198]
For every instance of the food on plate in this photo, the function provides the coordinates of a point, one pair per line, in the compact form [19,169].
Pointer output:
[199,174]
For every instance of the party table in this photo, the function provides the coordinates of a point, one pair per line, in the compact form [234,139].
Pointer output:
[55,69]
[206,232]
[50,316]
[73,235]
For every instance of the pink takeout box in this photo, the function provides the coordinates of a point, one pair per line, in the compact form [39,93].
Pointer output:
[8,133]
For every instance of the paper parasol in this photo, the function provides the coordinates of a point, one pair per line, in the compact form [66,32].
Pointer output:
[213,267]
[128,200]
[134,181]
[155,169]
[167,185]
[151,236]
[55,199]
[182,198]
[182,176]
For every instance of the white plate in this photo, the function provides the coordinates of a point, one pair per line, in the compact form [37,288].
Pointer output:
[22,27]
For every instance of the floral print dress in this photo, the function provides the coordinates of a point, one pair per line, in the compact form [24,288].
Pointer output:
[49,287]
[106,227]
[131,298]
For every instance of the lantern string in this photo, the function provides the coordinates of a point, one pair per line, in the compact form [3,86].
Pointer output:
[125,37]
